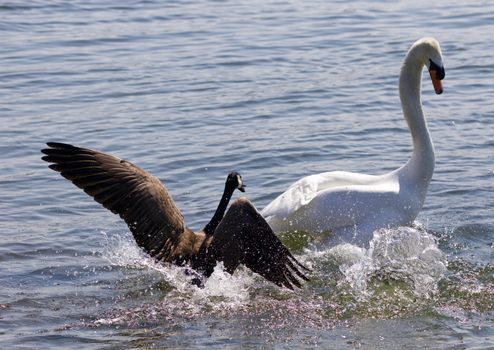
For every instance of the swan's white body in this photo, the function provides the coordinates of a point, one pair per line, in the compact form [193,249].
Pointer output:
[353,205]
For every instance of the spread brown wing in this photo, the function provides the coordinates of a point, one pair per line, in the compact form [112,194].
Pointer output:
[127,190]
[244,237]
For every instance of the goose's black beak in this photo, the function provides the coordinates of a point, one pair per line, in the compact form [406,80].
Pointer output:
[242,188]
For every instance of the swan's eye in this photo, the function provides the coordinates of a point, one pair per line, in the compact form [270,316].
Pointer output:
[440,73]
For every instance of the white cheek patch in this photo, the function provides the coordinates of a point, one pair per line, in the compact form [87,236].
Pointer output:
[239,180]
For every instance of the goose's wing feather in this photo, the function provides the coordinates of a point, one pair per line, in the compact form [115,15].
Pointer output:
[127,190]
[244,237]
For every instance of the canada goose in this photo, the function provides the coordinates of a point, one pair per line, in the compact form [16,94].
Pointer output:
[242,236]
[353,205]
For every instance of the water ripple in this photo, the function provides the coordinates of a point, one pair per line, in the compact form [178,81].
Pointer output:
[276,90]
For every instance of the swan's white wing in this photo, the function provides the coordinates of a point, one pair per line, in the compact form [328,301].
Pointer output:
[343,206]
[348,205]
[304,190]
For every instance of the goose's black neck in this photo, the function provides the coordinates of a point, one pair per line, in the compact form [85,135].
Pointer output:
[220,211]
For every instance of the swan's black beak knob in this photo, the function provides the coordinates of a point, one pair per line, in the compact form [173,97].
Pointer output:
[437,74]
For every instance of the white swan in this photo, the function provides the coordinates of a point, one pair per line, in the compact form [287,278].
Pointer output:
[353,205]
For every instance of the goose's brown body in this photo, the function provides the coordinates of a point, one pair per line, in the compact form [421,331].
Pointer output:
[242,236]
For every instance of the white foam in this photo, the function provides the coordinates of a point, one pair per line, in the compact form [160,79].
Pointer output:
[220,290]
[226,290]
[409,254]
[404,253]
[121,250]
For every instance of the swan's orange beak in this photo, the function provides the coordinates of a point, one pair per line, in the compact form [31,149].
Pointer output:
[437,74]
[436,82]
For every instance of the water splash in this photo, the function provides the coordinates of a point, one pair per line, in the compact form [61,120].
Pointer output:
[345,276]
[221,289]
[227,290]
[411,255]
[221,294]
[120,250]
[402,254]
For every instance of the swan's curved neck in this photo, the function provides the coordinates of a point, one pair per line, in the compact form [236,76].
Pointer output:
[421,165]
[220,211]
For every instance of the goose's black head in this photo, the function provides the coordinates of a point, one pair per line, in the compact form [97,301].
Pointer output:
[234,181]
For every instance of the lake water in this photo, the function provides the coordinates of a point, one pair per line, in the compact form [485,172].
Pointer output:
[275,90]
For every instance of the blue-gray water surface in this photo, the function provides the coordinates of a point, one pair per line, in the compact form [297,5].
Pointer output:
[275,90]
